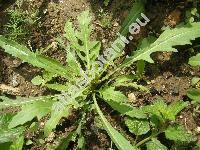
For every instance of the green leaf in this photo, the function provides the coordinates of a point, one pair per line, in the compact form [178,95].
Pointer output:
[20,101]
[123,108]
[70,35]
[157,109]
[164,112]
[73,63]
[169,38]
[133,85]
[42,80]
[146,42]
[154,144]
[194,94]
[106,2]
[117,138]
[196,147]
[48,76]
[17,144]
[4,120]
[29,142]
[63,107]
[37,109]
[126,109]
[109,93]
[88,50]
[33,127]
[195,60]
[115,99]
[95,47]
[195,80]
[58,111]
[63,142]
[135,12]
[38,80]
[5,146]
[178,133]
[124,78]
[81,143]
[84,35]
[137,126]
[136,113]
[8,135]
[57,87]
[98,123]
[174,108]
[118,102]
[140,67]
[35,59]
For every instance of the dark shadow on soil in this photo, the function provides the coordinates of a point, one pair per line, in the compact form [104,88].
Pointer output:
[5,4]
[41,9]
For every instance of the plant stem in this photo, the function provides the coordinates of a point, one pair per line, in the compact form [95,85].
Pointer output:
[136,138]
[147,139]
[110,74]
[144,141]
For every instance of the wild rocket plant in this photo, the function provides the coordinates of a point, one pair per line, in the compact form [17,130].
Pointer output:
[88,81]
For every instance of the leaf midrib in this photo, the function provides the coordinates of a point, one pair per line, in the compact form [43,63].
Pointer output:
[154,47]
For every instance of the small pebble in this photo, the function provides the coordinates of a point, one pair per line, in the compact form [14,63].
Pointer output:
[42,124]
[116,24]
[131,97]
[16,63]
[45,11]
[15,81]
[197,130]
[103,41]
[61,1]
[153,81]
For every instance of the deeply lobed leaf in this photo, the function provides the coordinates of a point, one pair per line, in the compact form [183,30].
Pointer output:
[88,50]
[37,109]
[169,38]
